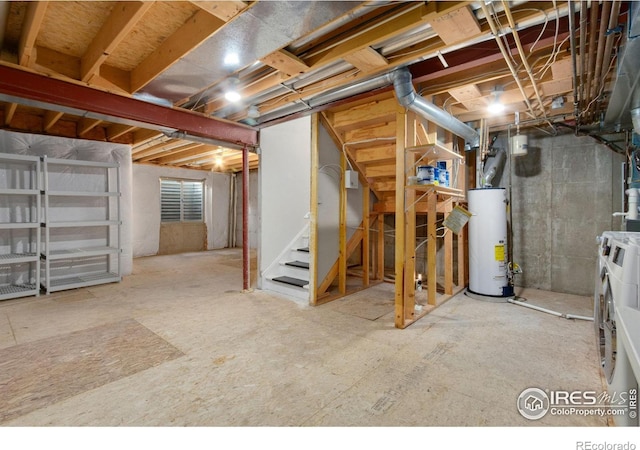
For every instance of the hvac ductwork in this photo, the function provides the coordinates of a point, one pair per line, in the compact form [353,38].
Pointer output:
[407,97]
[405,94]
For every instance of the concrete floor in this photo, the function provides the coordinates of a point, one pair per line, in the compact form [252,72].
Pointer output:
[176,343]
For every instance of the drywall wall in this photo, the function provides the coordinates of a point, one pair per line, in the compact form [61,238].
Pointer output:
[80,149]
[330,178]
[564,193]
[284,191]
[146,206]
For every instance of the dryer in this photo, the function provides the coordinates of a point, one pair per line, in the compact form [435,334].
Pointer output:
[617,288]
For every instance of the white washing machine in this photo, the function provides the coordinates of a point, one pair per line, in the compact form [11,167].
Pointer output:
[617,288]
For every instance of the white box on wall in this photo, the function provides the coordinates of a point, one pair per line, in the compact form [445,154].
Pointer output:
[351,179]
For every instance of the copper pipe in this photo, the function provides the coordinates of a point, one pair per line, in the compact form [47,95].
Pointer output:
[613,22]
[606,10]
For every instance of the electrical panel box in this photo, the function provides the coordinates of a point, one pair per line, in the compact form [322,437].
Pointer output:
[351,179]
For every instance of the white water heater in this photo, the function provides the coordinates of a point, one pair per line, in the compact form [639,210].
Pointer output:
[488,256]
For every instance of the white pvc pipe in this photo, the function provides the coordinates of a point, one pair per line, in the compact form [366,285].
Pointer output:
[549,311]
[633,204]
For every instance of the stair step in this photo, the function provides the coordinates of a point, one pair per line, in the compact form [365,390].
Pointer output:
[293,281]
[304,249]
[299,264]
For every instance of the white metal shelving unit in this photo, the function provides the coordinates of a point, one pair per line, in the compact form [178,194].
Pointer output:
[20,207]
[81,245]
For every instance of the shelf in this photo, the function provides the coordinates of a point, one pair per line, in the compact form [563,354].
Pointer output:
[10,226]
[435,151]
[10,157]
[19,290]
[78,281]
[75,162]
[79,253]
[81,194]
[440,190]
[80,224]
[15,258]
[19,191]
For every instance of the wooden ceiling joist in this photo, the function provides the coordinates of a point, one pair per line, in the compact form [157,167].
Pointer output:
[201,26]
[9,112]
[124,16]
[33,21]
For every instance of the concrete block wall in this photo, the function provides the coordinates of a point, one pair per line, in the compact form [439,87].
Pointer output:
[564,193]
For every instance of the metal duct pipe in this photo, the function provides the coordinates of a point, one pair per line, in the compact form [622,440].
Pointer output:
[407,97]
[493,166]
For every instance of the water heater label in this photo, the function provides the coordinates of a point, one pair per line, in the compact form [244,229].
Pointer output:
[499,252]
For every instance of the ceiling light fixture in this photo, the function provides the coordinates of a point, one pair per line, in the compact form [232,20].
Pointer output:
[232,96]
[496,107]
[231,59]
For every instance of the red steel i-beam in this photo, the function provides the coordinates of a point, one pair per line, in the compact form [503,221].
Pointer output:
[27,85]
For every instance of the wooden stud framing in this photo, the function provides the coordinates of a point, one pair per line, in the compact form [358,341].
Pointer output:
[366,223]
[342,265]
[313,208]
[380,249]
[400,218]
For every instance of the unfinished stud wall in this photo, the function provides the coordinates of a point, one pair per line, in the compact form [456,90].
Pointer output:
[564,193]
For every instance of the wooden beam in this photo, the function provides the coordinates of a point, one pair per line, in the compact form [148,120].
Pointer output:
[400,219]
[367,59]
[387,170]
[116,130]
[9,112]
[313,208]
[366,224]
[285,62]
[199,27]
[142,136]
[342,268]
[85,125]
[386,130]
[376,154]
[188,153]
[223,10]
[380,248]
[410,225]
[155,149]
[432,249]
[362,116]
[30,29]
[124,16]
[380,32]
[50,119]
[457,25]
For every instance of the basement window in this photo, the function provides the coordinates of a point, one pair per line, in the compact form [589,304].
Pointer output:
[181,200]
